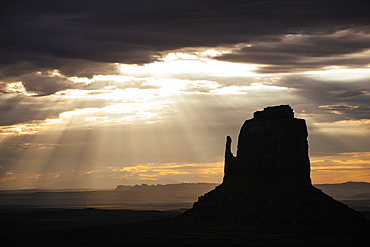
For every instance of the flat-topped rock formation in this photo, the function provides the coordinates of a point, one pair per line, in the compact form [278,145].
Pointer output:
[272,144]
[267,184]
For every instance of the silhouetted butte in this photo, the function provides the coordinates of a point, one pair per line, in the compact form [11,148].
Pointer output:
[267,184]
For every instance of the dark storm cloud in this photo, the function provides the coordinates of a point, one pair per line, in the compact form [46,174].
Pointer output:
[68,67]
[41,35]
[306,52]
[40,83]
[350,93]
[18,109]
[3,87]
[36,77]
[45,85]
[332,100]
[15,109]
[327,91]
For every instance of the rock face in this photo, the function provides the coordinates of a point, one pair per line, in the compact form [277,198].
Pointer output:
[272,144]
[267,184]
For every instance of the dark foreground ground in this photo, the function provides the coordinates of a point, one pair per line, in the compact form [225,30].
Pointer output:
[92,227]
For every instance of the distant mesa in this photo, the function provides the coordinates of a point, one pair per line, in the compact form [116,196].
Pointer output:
[169,189]
[267,184]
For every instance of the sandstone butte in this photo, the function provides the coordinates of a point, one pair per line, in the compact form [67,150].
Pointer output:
[267,184]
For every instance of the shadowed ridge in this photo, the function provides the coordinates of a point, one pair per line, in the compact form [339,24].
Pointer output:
[267,184]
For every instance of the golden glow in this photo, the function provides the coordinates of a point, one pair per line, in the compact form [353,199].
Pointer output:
[341,167]
[195,172]
[177,100]
[325,169]
[339,176]
[7,179]
[181,64]
[30,128]
[338,74]
[159,169]
[140,104]
[17,87]
[346,127]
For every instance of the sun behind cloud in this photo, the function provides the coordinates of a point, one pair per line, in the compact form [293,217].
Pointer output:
[167,120]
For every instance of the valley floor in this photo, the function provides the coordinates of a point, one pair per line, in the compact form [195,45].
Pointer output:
[92,227]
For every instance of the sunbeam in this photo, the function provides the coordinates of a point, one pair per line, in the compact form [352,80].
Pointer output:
[163,121]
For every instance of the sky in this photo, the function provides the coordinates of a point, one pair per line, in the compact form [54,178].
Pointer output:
[94,94]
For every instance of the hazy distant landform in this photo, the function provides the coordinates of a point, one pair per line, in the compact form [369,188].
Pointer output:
[347,191]
[153,197]
[143,197]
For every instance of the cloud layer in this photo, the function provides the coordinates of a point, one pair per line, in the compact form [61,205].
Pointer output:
[302,52]
[109,88]
[78,37]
